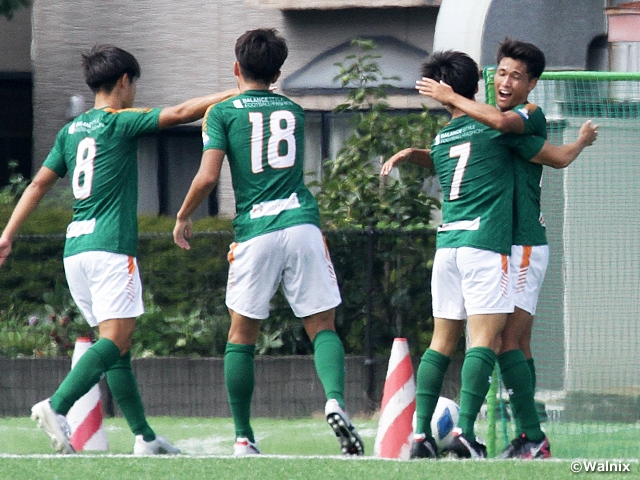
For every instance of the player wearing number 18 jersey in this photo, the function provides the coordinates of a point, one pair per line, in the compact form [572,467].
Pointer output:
[278,240]
[269,196]
[98,150]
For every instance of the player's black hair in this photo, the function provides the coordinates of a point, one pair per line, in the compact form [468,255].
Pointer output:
[524,52]
[261,53]
[456,69]
[105,64]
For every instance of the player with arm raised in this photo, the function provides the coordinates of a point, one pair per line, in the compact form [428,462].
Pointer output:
[98,150]
[470,278]
[278,241]
[520,65]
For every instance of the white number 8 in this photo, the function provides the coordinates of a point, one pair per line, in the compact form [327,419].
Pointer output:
[83,173]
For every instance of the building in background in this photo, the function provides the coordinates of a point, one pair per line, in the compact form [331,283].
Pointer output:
[188,51]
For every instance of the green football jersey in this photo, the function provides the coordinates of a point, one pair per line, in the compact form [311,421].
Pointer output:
[262,134]
[528,221]
[100,150]
[475,167]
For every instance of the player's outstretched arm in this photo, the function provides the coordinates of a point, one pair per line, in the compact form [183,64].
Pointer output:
[193,109]
[562,156]
[201,187]
[39,186]
[486,114]
[417,156]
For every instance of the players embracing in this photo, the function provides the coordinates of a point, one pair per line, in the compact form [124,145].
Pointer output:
[467,282]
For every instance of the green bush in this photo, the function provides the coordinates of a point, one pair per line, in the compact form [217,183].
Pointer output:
[185,293]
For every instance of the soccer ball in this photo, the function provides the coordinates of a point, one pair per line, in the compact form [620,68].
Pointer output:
[444,420]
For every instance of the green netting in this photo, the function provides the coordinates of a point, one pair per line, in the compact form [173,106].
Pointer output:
[586,336]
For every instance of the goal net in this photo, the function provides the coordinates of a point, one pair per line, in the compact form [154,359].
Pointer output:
[586,337]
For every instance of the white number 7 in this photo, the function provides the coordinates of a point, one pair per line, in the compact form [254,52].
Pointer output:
[462,151]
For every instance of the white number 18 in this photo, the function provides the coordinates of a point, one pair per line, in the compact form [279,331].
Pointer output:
[278,134]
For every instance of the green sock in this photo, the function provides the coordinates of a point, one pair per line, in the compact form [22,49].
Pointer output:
[476,379]
[328,356]
[239,378]
[517,379]
[429,378]
[124,389]
[86,373]
[532,368]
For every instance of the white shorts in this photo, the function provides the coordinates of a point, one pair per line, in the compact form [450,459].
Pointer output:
[296,258]
[528,268]
[468,281]
[104,285]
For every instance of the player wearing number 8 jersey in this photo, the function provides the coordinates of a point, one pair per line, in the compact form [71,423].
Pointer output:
[104,179]
[278,240]
[98,150]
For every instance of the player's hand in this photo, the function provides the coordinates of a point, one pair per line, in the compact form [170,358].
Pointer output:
[439,91]
[181,232]
[5,249]
[588,133]
[401,156]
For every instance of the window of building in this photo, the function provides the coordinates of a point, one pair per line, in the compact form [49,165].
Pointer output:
[16,124]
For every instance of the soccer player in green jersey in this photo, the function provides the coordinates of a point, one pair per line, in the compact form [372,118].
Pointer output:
[98,150]
[278,241]
[520,65]
[471,268]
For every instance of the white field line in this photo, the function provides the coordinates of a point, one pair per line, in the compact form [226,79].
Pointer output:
[303,457]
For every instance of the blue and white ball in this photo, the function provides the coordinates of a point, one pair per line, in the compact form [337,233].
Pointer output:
[444,420]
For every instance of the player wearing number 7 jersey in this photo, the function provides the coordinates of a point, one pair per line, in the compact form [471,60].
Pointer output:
[277,236]
[470,279]
[98,150]
[520,64]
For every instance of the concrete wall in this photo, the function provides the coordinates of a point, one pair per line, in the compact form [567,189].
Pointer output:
[186,52]
[563,30]
[15,42]
[181,57]
[194,387]
[546,23]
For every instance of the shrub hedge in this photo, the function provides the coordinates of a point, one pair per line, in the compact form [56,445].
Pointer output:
[184,292]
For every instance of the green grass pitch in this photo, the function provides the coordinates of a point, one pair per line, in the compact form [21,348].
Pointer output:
[293,449]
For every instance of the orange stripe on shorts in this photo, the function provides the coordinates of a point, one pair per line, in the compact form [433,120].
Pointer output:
[526,257]
[230,256]
[132,265]
[504,280]
[505,263]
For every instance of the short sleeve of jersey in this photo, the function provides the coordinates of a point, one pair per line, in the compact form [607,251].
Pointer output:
[214,134]
[55,159]
[535,122]
[134,122]
[525,146]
